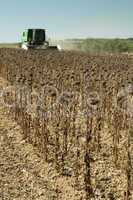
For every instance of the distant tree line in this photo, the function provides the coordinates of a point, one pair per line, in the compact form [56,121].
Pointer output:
[102,45]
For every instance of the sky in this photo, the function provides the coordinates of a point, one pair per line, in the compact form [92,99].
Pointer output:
[67,18]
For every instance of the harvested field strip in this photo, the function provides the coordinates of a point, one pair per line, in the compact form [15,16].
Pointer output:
[71,107]
[19,165]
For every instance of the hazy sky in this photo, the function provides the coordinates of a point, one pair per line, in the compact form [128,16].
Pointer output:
[67,18]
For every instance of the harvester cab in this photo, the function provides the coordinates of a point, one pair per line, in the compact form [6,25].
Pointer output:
[35,39]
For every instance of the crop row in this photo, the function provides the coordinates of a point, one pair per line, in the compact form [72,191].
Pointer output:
[77,110]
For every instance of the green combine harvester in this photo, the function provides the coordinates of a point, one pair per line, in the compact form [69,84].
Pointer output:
[36,39]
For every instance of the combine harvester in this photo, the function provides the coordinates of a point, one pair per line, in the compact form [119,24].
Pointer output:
[36,39]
